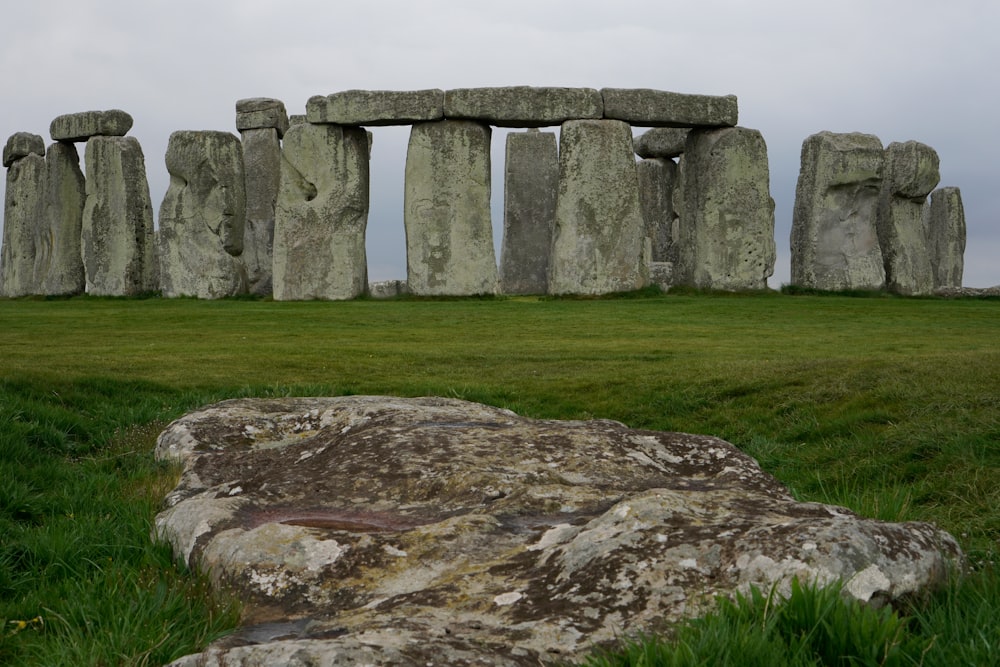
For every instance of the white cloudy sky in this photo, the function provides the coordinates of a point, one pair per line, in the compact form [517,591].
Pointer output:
[899,69]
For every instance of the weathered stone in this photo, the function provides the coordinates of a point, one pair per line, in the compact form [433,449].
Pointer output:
[117,242]
[86,124]
[377,107]
[24,214]
[911,173]
[599,243]
[297,119]
[662,142]
[945,229]
[523,106]
[58,255]
[202,217]
[531,181]
[446,210]
[262,165]
[20,145]
[378,530]
[726,228]
[661,274]
[657,181]
[660,108]
[256,113]
[321,214]
[834,242]
[387,289]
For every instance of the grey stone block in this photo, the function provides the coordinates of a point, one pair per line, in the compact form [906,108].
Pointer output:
[945,230]
[376,107]
[256,113]
[661,142]
[20,145]
[659,108]
[523,106]
[262,167]
[58,255]
[657,183]
[82,126]
[24,211]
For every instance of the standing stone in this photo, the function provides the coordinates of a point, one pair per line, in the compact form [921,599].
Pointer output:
[24,212]
[531,180]
[726,233]
[599,243]
[911,173]
[58,258]
[321,214]
[262,165]
[117,241]
[657,181]
[202,217]
[834,241]
[446,210]
[945,230]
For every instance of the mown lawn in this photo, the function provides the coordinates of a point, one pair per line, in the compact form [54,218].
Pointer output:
[889,406]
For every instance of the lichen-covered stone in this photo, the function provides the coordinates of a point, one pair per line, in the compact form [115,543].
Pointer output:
[660,108]
[321,214]
[661,142]
[531,181]
[523,106]
[385,530]
[911,173]
[82,126]
[834,241]
[22,144]
[24,215]
[944,223]
[726,226]
[262,167]
[257,113]
[446,210]
[599,244]
[117,240]
[377,107]
[202,216]
[657,183]
[58,254]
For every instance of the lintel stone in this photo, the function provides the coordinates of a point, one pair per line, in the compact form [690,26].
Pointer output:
[21,145]
[256,113]
[659,108]
[523,106]
[661,142]
[376,107]
[86,124]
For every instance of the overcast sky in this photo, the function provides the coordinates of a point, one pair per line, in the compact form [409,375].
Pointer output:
[899,69]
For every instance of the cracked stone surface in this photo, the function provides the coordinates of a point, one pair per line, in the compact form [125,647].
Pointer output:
[381,530]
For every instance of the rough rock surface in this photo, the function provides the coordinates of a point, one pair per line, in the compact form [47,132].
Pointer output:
[834,241]
[262,168]
[58,255]
[82,126]
[202,216]
[377,107]
[523,106]
[657,183]
[944,223]
[24,210]
[912,171]
[257,113]
[531,181]
[379,530]
[660,108]
[599,244]
[661,142]
[446,210]
[321,214]
[22,144]
[726,228]
[117,241]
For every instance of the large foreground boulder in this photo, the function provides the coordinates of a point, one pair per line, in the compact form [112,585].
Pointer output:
[377,530]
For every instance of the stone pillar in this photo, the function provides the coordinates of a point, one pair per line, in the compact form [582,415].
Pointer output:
[202,217]
[117,242]
[446,210]
[945,229]
[262,123]
[599,244]
[657,181]
[834,242]
[531,179]
[58,257]
[24,212]
[321,214]
[911,173]
[726,232]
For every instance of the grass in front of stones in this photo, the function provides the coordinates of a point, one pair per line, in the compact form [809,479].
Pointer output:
[889,406]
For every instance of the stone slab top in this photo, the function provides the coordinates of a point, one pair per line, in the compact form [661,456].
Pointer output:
[81,126]
[523,106]
[256,113]
[661,142]
[21,145]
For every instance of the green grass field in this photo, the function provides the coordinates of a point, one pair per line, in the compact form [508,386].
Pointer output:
[889,406]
